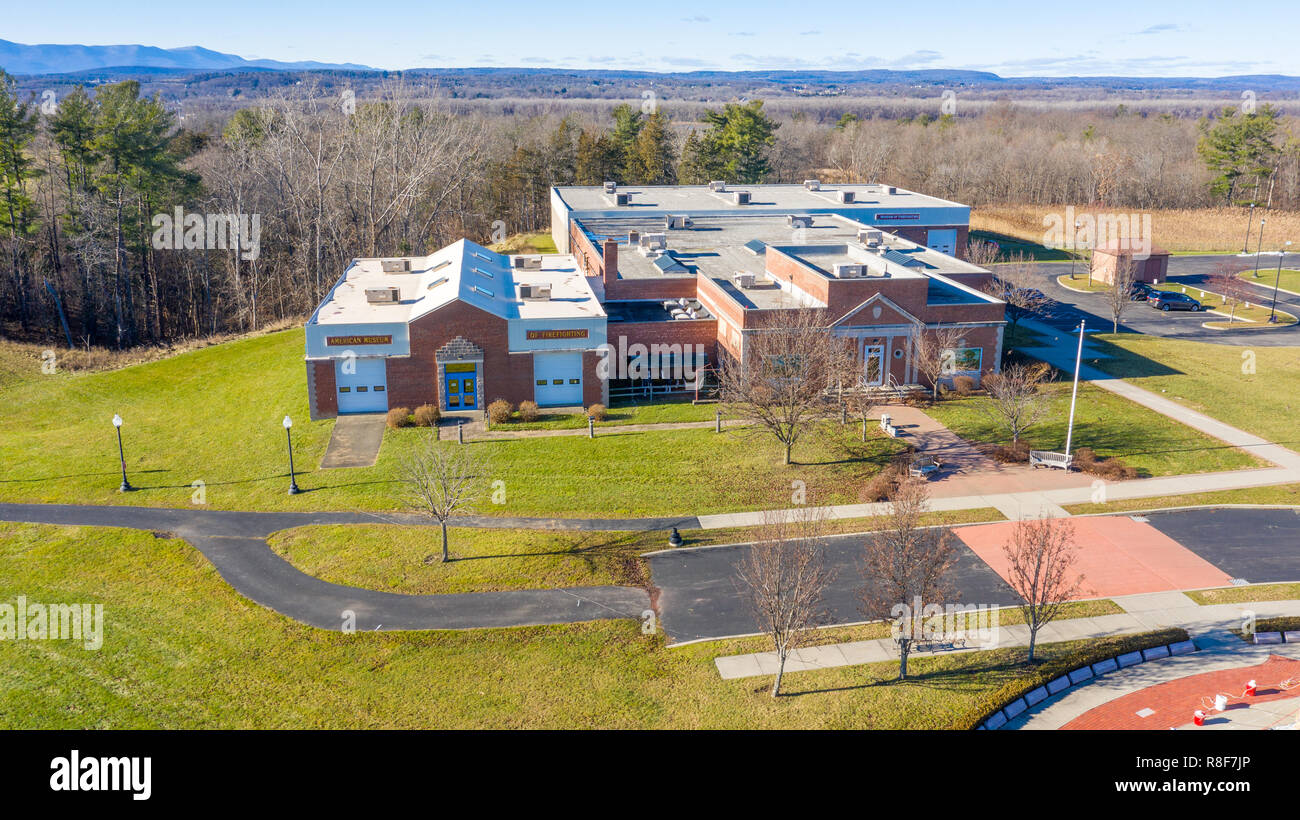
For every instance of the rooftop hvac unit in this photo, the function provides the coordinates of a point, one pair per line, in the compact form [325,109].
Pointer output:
[740,197]
[654,241]
[383,296]
[633,237]
[812,184]
[799,221]
[677,222]
[844,196]
[892,189]
[395,265]
[849,270]
[622,199]
[717,186]
[535,293]
[528,262]
[610,187]
[744,279]
[871,238]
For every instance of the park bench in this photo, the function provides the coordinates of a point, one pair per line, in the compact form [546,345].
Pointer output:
[1046,458]
[923,467]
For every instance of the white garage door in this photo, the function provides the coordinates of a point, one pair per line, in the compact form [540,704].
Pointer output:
[557,379]
[365,388]
[943,241]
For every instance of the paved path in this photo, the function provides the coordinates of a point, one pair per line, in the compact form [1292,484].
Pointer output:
[236,545]
[354,441]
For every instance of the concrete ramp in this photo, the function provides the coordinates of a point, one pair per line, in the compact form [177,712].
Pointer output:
[355,441]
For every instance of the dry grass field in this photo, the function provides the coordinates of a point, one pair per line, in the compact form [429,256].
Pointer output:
[1187,230]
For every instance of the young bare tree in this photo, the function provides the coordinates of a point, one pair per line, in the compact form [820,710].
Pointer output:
[1016,283]
[1040,569]
[788,375]
[862,401]
[1120,297]
[981,252]
[906,567]
[934,351]
[1235,292]
[1017,400]
[442,480]
[784,578]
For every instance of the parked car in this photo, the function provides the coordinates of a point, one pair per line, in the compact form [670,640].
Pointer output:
[1173,300]
[1140,291]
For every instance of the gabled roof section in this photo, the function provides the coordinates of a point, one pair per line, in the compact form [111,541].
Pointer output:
[864,314]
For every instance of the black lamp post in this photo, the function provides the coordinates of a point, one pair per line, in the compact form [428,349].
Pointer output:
[121,455]
[293,483]
[1259,245]
[1272,314]
[1250,217]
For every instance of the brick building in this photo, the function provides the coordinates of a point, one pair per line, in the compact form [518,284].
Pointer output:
[653,286]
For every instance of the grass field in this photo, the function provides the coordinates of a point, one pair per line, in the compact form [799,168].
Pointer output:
[1199,230]
[658,412]
[213,416]
[182,650]
[1245,595]
[1110,425]
[1289,279]
[1281,494]
[1254,388]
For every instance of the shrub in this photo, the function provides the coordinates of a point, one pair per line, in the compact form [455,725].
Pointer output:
[528,411]
[1085,458]
[1112,469]
[427,415]
[1017,453]
[883,484]
[597,412]
[964,385]
[499,411]
[399,417]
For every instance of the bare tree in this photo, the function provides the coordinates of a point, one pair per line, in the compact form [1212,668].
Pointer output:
[1225,282]
[1120,295]
[862,400]
[1015,282]
[784,578]
[1040,569]
[788,374]
[1017,400]
[442,480]
[934,350]
[982,252]
[906,567]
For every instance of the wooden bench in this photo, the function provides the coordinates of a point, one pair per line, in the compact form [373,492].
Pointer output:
[1047,458]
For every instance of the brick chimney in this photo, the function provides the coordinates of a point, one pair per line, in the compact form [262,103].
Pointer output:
[610,253]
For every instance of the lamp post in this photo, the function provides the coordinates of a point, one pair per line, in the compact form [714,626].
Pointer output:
[121,455]
[1272,314]
[1074,395]
[1250,217]
[1259,245]
[293,482]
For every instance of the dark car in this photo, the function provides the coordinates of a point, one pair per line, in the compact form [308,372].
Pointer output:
[1140,291]
[1172,300]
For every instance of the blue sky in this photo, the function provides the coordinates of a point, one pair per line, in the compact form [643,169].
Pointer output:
[1014,38]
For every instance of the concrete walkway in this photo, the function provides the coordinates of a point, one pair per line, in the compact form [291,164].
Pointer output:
[1142,613]
[236,545]
[354,441]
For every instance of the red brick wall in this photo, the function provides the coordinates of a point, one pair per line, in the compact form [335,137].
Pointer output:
[324,396]
[593,389]
[672,286]
[685,332]
[413,381]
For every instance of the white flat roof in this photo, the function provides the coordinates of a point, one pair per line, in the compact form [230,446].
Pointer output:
[780,198]
[466,271]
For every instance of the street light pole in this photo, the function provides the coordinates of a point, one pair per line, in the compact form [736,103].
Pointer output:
[1074,395]
[1272,314]
[1250,217]
[121,455]
[293,482]
[1259,245]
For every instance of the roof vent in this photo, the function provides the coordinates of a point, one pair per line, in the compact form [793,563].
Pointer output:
[610,187]
[744,279]
[844,196]
[849,270]
[395,265]
[633,237]
[678,222]
[535,293]
[654,241]
[528,262]
[892,189]
[812,184]
[871,238]
[383,296]
[717,186]
[799,221]
[740,197]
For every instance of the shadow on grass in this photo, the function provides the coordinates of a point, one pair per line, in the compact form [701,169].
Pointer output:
[957,679]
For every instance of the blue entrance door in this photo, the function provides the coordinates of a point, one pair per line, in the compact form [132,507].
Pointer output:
[460,386]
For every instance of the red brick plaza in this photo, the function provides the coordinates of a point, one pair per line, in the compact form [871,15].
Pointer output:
[1170,705]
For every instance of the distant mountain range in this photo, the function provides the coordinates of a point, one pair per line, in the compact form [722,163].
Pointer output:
[17,58]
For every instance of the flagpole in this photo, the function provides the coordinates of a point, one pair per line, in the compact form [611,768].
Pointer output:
[1074,395]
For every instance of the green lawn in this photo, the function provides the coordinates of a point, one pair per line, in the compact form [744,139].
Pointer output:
[182,650]
[658,412]
[1245,595]
[1254,388]
[1280,494]
[1289,280]
[1110,425]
